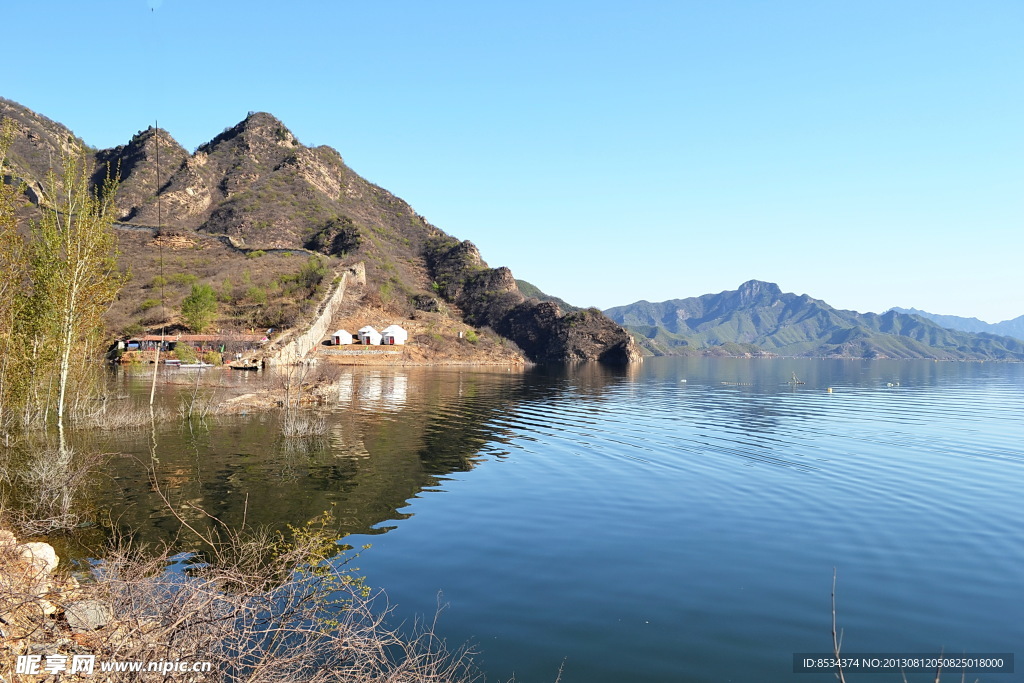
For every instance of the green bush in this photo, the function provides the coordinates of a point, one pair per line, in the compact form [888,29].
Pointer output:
[312,273]
[183,279]
[199,307]
[185,353]
[148,304]
[134,330]
[256,254]
[256,295]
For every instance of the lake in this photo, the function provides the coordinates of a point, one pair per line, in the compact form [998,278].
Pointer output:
[674,521]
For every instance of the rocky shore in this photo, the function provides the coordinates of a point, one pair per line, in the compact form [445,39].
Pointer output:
[47,613]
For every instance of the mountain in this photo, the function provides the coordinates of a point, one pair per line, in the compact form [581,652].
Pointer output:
[532,291]
[759,318]
[1006,328]
[37,142]
[267,221]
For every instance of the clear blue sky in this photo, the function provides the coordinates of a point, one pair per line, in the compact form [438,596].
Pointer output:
[870,154]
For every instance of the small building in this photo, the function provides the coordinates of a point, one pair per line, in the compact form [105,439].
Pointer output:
[369,335]
[394,334]
[225,342]
[341,337]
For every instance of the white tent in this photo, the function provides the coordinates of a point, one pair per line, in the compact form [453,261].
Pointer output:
[394,334]
[369,335]
[341,337]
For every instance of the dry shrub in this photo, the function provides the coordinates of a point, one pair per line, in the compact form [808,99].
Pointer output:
[120,415]
[303,423]
[261,608]
[301,386]
[47,490]
[199,401]
[372,299]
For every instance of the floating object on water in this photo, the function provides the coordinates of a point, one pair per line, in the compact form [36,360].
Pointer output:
[795,380]
[829,390]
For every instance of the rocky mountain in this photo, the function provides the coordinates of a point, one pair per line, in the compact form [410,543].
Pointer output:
[258,189]
[534,292]
[1006,328]
[491,296]
[759,318]
[37,144]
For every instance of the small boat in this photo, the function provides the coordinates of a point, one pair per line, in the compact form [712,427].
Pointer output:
[195,366]
[795,380]
[172,361]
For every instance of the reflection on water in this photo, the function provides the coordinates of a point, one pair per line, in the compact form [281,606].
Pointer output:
[677,520]
[376,455]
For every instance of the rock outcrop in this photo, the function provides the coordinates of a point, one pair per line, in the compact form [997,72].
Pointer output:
[27,585]
[490,296]
[135,166]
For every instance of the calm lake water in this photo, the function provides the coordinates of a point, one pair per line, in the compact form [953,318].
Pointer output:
[677,521]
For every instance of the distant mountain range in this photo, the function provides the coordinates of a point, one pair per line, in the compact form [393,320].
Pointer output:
[758,318]
[1007,328]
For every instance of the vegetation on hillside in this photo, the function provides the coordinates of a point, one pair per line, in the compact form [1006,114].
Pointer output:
[531,291]
[256,194]
[1007,328]
[763,319]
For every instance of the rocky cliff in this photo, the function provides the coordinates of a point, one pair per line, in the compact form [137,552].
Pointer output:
[491,296]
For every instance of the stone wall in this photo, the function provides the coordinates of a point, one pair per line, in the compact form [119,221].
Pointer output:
[296,347]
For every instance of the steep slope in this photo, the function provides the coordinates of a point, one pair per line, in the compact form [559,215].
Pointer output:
[36,148]
[1008,328]
[759,317]
[135,166]
[260,190]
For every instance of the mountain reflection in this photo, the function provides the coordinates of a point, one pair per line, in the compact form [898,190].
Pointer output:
[391,434]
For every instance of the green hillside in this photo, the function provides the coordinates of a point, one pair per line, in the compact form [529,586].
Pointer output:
[758,318]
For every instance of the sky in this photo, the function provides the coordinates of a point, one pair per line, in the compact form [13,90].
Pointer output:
[870,154]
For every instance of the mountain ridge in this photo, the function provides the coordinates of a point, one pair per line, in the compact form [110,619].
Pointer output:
[1014,327]
[262,189]
[758,318]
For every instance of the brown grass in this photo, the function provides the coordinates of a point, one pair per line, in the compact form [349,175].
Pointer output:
[252,292]
[262,608]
